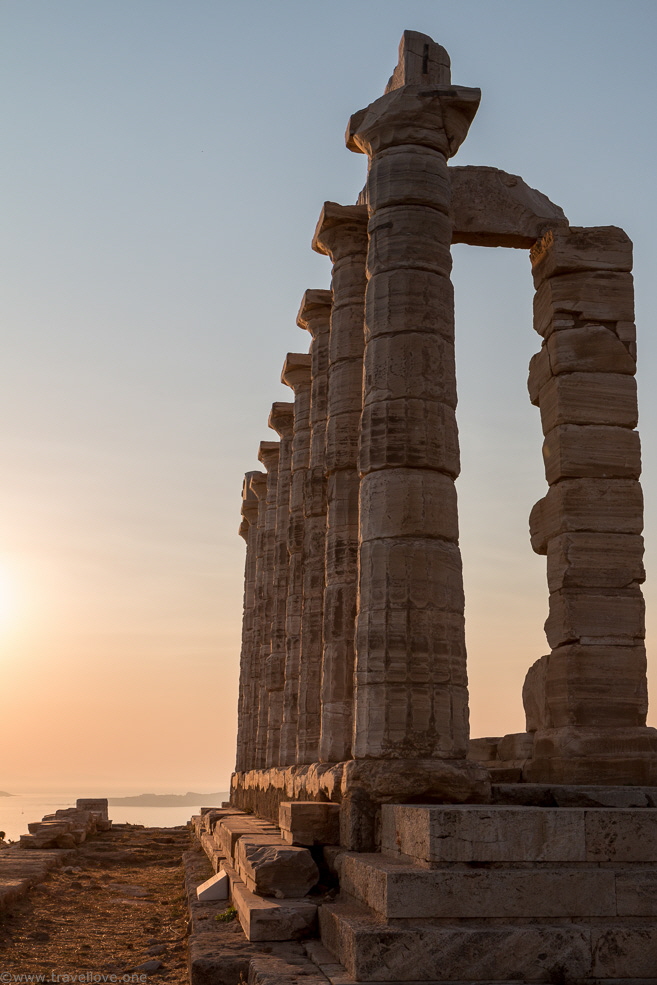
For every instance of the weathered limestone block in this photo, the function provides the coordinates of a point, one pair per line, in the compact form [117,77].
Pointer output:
[540,373]
[595,560]
[636,893]
[273,920]
[515,746]
[409,301]
[589,349]
[596,505]
[576,249]
[484,749]
[408,503]
[630,952]
[278,870]
[420,59]
[571,451]
[410,365]
[589,398]
[402,573]
[309,822]
[409,433]
[564,688]
[594,296]
[490,207]
[579,754]
[412,175]
[597,616]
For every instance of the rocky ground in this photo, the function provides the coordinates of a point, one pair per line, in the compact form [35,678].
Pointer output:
[116,908]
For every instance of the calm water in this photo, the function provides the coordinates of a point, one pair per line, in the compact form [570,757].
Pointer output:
[16,812]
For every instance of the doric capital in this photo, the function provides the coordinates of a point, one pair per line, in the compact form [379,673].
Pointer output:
[315,312]
[281,418]
[258,484]
[341,231]
[436,116]
[268,453]
[296,370]
[249,498]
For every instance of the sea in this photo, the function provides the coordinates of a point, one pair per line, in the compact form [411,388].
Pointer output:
[17,811]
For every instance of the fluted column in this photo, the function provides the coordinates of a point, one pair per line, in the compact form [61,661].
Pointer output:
[314,316]
[296,374]
[411,699]
[341,234]
[249,531]
[267,454]
[258,486]
[281,420]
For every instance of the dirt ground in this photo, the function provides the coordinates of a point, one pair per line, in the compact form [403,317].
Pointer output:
[114,907]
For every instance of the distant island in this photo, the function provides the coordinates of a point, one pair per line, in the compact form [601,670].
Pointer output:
[189,799]
[3,793]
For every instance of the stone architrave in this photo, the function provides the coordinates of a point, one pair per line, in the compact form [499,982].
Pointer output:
[258,486]
[267,454]
[281,420]
[314,316]
[411,699]
[341,234]
[587,699]
[296,374]
[249,531]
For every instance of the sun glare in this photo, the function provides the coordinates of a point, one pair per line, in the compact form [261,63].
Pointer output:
[7,596]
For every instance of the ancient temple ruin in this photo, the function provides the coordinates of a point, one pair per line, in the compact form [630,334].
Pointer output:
[353,689]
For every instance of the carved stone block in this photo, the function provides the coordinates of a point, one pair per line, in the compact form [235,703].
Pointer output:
[594,296]
[572,451]
[589,398]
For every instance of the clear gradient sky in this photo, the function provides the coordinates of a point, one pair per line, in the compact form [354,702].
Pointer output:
[164,165]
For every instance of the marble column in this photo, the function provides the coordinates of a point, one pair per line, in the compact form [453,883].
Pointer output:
[281,420]
[341,234]
[587,700]
[249,531]
[267,454]
[314,316]
[411,699]
[258,485]
[296,374]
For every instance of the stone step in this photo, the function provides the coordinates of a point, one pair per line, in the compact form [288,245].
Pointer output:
[507,833]
[372,950]
[396,890]
[564,795]
[266,919]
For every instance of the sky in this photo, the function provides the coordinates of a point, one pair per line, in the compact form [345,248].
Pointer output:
[164,166]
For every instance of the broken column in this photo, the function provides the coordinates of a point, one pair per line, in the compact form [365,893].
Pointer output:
[249,531]
[296,374]
[411,701]
[587,700]
[341,233]
[267,454]
[281,419]
[314,316]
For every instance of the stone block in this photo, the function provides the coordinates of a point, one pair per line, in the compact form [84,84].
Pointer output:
[587,755]
[347,337]
[398,891]
[273,920]
[597,617]
[621,835]
[97,805]
[409,433]
[413,364]
[467,833]
[409,503]
[595,560]
[409,300]
[404,572]
[628,954]
[589,398]
[563,795]
[409,176]
[534,699]
[345,393]
[593,296]
[230,829]
[309,822]
[571,451]
[595,686]
[540,373]
[275,869]
[215,888]
[589,349]
[483,750]
[636,892]
[490,207]
[574,249]
[377,952]
[610,506]
[410,236]
[515,746]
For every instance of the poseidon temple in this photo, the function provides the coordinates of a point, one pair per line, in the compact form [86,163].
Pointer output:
[528,857]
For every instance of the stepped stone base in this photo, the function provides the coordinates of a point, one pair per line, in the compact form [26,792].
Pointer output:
[500,893]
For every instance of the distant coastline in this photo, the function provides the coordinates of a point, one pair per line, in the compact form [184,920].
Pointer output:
[3,793]
[189,799]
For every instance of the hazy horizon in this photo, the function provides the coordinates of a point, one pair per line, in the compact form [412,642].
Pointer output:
[165,164]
